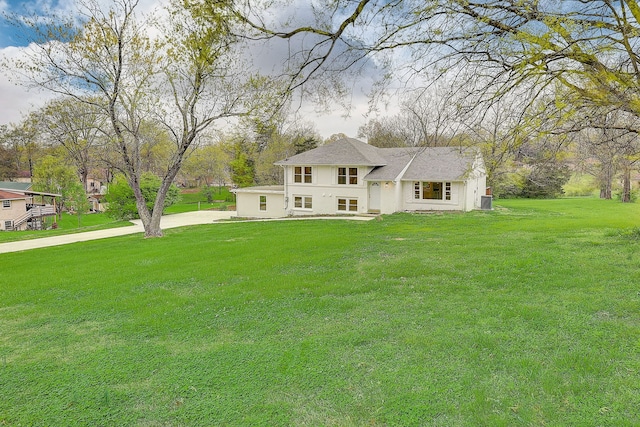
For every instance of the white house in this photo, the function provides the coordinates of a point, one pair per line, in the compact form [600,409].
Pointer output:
[352,177]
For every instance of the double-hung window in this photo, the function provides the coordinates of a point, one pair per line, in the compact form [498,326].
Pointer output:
[263,203]
[302,174]
[348,176]
[6,203]
[302,202]
[347,205]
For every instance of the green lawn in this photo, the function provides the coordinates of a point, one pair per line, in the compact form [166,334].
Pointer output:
[193,200]
[67,224]
[528,315]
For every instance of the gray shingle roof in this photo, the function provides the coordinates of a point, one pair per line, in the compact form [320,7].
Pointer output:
[347,152]
[440,163]
[424,163]
[397,159]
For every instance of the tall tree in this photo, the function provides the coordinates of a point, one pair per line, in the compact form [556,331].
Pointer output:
[53,175]
[24,143]
[208,165]
[186,79]
[8,167]
[75,126]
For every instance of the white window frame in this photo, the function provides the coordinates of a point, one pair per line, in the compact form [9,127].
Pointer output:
[263,203]
[6,204]
[349,204]
[8,225]
[349,177]
[445,190]
[306,202]
[304,175]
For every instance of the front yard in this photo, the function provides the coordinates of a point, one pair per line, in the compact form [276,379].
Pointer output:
[526,315]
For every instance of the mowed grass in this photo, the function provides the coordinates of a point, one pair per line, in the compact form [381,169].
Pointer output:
[193,200]
[66,224]
[526,315]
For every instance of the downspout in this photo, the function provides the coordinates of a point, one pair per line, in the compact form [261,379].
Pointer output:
[286,193]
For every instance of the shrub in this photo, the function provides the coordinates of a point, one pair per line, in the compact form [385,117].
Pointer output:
[122,202]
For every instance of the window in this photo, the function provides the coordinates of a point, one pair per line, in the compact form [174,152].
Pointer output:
[263,203]
[302,202]
[348,175]
[8,225]
[6,203]
[350,205]
[302,174]
[432,190]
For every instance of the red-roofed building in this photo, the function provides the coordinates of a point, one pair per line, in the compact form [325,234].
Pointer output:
[19,210]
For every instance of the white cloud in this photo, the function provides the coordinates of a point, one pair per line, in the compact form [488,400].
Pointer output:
[17,101]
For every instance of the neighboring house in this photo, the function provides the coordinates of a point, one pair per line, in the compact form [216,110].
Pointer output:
[95,186]
[19,210]
[352,177]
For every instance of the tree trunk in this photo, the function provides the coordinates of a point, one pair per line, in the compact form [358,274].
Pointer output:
[146,217]
[84,177]
[626,186]
[153,229]
[152,226]
[606,181]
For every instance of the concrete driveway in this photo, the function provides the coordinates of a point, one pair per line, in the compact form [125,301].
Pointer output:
[168,221]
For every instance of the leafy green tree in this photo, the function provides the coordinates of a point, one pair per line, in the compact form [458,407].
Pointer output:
[22,141]
[185,79]
[122,202]
[7,164]
[207,165]
[78,202]
[242,168]
[544,170]
[53,175]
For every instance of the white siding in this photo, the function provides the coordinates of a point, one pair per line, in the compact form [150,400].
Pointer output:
[248,204]
[325,191]
[455,204]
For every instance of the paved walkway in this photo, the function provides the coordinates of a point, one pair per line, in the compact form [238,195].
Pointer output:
[167,221]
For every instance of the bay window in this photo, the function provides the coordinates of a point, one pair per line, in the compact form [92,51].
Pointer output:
[432,190]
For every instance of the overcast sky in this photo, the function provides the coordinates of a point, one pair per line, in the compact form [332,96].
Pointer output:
[16,102]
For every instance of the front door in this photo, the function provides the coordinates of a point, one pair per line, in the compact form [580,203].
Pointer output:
[374,197]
